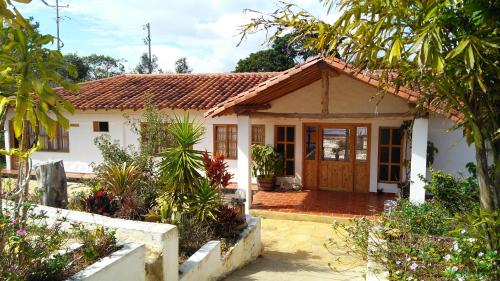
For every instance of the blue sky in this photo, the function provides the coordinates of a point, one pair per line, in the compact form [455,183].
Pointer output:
[204,31]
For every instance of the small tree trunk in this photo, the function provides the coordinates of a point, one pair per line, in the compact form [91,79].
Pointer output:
[487,192]
[51,182]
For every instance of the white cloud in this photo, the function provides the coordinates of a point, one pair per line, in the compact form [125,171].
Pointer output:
[206,32]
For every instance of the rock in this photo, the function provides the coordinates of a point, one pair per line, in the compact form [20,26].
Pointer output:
[52,184]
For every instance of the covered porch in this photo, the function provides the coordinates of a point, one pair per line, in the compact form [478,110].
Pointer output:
[339,144]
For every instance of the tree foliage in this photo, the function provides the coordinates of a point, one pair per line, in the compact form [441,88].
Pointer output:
[29,71]
[102,66]
[143,65]
[81,67]
[448,51]
[181,66]
[283,54]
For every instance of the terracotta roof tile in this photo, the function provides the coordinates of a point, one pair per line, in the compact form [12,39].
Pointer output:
[176,91]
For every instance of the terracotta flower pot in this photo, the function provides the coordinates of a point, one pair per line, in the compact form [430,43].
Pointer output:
[266,183]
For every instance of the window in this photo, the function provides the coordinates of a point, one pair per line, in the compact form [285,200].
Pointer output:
[361,143]
[285,145]
[336,144]
[159,144]
[259,134]
[101,126]
[226,141]
[310,142]
[59,143]
[389,155]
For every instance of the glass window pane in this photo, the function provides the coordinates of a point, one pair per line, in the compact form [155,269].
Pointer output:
[361,143]
[311,143]
[383,173]
[396,137]
[280,148]
[384,135]
[290,134]
[290,151]
[384,155]
[395,155]
[395,172]
[335,144]
[290,168]
[281,134]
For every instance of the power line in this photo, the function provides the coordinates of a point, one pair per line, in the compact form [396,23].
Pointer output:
[58,19]
[147,41]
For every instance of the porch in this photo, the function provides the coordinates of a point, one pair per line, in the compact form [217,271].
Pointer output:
[322,203]
[338,141]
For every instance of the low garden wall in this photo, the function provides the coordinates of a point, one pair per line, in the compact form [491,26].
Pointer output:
[126,264]
[161,240]
[209,264]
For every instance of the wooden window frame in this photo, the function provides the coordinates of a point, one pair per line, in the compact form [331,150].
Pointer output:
[389,164]
[368,143]
[227,140]
[263,127]
[276,142]
[61,133]
[96,126]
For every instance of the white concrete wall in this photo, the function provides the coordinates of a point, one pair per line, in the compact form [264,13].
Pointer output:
[161,240]
[454,152]
[126,264]
[208,263]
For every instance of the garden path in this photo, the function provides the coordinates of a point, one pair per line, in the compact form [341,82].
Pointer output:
[293,250]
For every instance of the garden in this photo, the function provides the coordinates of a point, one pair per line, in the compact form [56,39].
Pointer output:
[449,237]
[165,180]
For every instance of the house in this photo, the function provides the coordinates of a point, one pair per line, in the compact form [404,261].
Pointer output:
[324,116]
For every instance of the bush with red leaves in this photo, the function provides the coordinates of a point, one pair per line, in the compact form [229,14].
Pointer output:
[101,203]
[216,170]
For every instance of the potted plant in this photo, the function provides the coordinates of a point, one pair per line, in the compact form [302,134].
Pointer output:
[266,164]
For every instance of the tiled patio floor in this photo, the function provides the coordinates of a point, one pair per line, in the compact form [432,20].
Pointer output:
[324,203]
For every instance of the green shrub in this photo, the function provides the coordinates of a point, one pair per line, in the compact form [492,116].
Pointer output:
[27,249]
[429,218]
[456,195]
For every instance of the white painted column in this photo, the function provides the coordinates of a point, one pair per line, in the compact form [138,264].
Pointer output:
[244,175]
[418,159]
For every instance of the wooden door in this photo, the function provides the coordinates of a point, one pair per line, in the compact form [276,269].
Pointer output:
[310,141]
[362,159]
[336,159]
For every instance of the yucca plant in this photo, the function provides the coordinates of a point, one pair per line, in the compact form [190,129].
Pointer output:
[181,164]
[120,179]
[205,201]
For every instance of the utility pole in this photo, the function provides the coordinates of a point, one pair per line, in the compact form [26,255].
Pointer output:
[58,19]
[147,41]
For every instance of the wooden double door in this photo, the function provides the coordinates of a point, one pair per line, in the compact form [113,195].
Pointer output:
[336,157]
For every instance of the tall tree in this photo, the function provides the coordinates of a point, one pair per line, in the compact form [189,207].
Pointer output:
[181,66]
[143,66]
[448,50]
[28,72]
[285,52]
[101,66]
[81,67]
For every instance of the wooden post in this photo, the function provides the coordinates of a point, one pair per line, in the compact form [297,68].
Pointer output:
[52,184]
[325,94]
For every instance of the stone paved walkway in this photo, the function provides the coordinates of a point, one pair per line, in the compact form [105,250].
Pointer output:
[293,250]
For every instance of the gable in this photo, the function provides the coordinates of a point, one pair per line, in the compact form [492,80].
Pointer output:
[346,95]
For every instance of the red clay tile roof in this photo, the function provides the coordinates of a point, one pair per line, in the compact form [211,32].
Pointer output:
[176,91]
[257,94]
[252,95]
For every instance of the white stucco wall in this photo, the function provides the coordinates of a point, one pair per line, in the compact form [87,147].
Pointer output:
[454,152]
